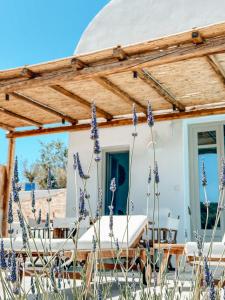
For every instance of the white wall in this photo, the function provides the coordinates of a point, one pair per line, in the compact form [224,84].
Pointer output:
[170,157]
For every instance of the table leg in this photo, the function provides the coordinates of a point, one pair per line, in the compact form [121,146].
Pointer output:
[163,264]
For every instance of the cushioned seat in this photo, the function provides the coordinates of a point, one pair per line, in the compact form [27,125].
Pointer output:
[218,249]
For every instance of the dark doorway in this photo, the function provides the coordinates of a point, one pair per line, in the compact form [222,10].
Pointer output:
[117,166]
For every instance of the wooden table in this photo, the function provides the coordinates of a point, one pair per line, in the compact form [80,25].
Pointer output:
[169,249]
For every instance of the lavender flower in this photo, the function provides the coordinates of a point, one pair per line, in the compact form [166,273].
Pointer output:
[94,128]
[212,292]
[199,241]
[10,211]
[149,176]
[82,210]
[49,179]
[33,201]
[74,161]
[23,227]
[32,286]
[206,272]
[3,264]
[150,118]
[97,147]
[222,175]
[13,271]
[117,245]
[47,221]
[111,220]
[156,173]
[94,244]
[204,179]
[99,292]
[15,191]
[39,217]
[135,117]
[113,185]
[16,173]
[80,170]
[99,204]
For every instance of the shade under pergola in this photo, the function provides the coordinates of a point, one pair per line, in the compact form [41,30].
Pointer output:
[182,75]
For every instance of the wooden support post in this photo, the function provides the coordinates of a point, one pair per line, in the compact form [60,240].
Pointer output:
[11,151]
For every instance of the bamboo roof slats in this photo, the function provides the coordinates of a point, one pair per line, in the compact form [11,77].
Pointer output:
[182,75]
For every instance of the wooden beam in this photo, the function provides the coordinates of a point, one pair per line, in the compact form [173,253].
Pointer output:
[44,107]
[119,53]
[217,67]
[82,102]
[11,151]
[18,116]
[107,84]
[6,126]
[77,64]
[28,73]
[149,79]
[160,56]
[120,122]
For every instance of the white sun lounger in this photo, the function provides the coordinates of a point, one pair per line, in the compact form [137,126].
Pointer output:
[127,247]
[215,255]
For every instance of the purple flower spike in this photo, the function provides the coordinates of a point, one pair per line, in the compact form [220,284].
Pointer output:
[222,175]
[74,161]
[94,128]
[10,211]
[16,173]
[206,272]
[80,170]
[33,201]
[150,118]
[97,147]
[13,271]
[39,217]
[212,292]
[204,178]
[3,264]
[135,117]
[156,173]
[15,191]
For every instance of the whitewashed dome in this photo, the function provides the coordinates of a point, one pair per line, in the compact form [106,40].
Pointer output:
[125,22]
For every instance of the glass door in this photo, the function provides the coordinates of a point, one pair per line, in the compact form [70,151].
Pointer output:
[208,147]
[117,166]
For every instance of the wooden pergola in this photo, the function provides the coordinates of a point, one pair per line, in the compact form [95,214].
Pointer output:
[182,75]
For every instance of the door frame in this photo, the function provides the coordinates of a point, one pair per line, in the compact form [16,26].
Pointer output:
[193,129]
[105,150]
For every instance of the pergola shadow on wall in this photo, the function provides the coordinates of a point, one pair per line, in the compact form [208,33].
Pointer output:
[182,75]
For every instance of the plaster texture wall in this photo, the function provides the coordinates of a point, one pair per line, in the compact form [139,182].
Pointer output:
[125,22]
[169,152]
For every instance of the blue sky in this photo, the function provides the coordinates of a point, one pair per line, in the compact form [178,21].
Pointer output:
[33,31]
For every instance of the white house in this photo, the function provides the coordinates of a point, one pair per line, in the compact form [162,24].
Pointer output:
[181,144]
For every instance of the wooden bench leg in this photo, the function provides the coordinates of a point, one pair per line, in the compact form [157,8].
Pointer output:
[89,270]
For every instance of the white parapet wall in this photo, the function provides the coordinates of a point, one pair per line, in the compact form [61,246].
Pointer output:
[169,155]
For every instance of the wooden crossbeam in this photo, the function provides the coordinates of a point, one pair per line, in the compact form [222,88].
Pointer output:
[18,116]
[148,78]
[119,122]
[178,52]
[77,63]
[107,84]
[6,126]
[82,102]
[217,67]
[28,73]
[44,107]
[119,53]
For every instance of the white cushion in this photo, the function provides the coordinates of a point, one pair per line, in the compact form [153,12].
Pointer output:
[41,244]
[218,249]
[135,226]
[64,223]
[136,223]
